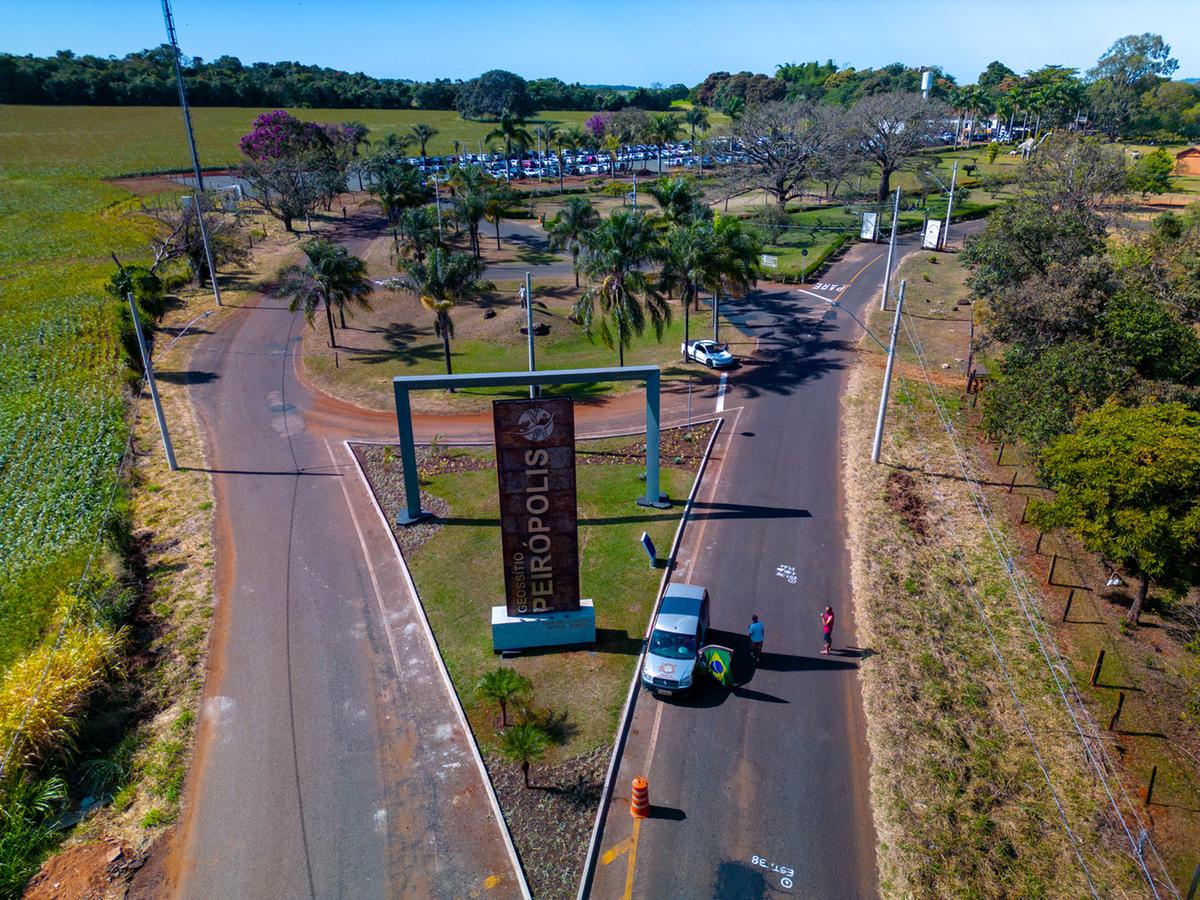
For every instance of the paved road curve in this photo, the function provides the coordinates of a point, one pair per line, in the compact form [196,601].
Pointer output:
[761,791]
[331,762]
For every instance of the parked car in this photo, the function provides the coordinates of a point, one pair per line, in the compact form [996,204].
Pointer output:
[675,640]
[712,354]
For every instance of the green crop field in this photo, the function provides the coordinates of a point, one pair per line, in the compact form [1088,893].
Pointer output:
[120,140]
[62,371]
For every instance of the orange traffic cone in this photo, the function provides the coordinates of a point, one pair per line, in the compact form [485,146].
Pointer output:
[639,807]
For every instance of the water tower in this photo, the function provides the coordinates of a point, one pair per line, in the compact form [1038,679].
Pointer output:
[926,83]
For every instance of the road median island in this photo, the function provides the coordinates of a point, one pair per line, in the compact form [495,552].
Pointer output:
[574,697]
[955,688]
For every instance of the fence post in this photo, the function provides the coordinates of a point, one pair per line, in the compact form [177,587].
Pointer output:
[1150,786]
[1067,608]
[1013,483]
[1195,882]
[1038,548]
[1053,563]
[1096,668]
[1024,510]
[1116,716]
[1000,453]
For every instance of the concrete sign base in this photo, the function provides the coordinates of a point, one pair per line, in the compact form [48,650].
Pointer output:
[557,629]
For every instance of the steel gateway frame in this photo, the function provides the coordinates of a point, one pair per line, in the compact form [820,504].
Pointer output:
[404,384]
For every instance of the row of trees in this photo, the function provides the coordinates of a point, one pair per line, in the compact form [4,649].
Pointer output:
[147,78]
[1100,373]
[1127,92]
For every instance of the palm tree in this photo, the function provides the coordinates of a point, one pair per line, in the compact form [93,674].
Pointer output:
[523,744]
[440,283]
[612,146]
[422,134]
[331,277]
[397,186]
[469,209]
[690,260]
[570,139]
[501,686]
[664,129]
[697,117]
[679,199]
[571,226]
[511,129]
[734,107]
[495,205]
[615,257]
[737,255]
[415,233]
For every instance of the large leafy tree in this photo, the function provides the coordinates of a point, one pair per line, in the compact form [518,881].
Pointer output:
[786,143]
[441,282]
[289,165]
[1127,483]
[616,258]
[511,129]
[1129,68]
[570,227]
[891,129]
[331,277]
[494,93]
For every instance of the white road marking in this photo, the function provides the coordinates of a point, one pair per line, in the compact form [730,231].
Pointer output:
[785,571]
[721,392]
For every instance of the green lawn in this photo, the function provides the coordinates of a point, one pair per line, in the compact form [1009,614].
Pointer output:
[459,577]
[112,141]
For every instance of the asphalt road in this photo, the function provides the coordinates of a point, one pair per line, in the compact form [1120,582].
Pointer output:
[330,762]
[762,790]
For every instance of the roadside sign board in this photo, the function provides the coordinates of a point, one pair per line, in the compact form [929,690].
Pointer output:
[870,226]
[535,468]
[933,232]
[769,261]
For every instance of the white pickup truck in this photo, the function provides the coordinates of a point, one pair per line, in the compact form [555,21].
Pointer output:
[712,354]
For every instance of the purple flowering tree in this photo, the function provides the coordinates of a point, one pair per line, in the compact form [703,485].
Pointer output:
[292,166]
[597,126]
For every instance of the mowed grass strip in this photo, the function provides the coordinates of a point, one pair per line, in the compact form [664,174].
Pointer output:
[460,578]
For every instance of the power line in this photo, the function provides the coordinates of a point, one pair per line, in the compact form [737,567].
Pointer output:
[1059,671]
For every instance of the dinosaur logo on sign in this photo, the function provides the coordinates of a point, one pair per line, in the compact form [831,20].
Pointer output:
[536,425]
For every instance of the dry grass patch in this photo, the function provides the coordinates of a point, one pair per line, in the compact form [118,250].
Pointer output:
[962,807]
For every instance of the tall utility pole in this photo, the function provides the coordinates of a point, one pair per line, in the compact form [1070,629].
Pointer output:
[533,388]
[148,366]
[887,269]
[949,207]
[887,377]
[187,122]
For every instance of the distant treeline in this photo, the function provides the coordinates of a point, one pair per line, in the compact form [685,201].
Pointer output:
[147,78]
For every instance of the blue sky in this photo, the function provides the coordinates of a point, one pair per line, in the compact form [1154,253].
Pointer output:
[608,41]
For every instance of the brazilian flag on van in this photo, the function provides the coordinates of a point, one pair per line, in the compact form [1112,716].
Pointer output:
[717,662]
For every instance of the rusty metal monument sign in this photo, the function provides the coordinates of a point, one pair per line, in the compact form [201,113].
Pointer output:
[535,468]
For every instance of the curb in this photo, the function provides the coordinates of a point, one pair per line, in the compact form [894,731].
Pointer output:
[589,868]
[458,708]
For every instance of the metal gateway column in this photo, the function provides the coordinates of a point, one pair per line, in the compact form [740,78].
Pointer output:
[402,385]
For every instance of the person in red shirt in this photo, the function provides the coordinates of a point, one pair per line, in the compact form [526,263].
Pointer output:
[827,628]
